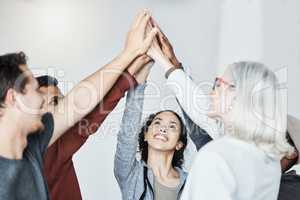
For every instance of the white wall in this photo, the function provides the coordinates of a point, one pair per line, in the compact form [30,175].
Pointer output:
[76,37]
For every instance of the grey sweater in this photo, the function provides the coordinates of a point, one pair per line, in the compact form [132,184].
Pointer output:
[128,170]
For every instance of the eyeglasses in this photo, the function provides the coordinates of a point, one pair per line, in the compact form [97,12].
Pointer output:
[219,81]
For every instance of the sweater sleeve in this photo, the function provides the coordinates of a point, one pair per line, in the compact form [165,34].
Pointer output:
[198,135]
[210,178]
[193,101]
[125,157]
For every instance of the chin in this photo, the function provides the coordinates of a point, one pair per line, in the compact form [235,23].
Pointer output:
[159,146]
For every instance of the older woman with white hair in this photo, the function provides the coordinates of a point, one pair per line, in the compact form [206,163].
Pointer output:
[247,120]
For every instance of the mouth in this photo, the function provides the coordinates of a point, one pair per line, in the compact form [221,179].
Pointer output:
[161,137]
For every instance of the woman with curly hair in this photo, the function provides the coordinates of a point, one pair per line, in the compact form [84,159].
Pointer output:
[161,141]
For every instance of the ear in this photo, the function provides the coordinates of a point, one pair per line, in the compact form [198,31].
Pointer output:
[145,137]
[10,98]
[179,146]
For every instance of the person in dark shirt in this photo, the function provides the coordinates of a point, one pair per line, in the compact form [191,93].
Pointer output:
[59,170]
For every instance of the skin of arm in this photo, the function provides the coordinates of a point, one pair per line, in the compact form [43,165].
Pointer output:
[72,108]
[189,95]
[76,136]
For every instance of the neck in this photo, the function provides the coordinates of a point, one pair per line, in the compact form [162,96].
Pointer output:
[12,140]
[160,162]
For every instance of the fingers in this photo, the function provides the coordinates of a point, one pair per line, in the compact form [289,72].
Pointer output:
[162,38]
[155,24]
[150,37]
[144,21]
[139,17]
[138,63]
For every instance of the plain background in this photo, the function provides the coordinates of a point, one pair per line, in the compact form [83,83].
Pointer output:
[71,39]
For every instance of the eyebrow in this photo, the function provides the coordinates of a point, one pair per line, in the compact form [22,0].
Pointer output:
[173,122]
[157,118]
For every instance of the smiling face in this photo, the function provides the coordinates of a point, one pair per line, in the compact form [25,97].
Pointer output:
[164,132]
[29,104]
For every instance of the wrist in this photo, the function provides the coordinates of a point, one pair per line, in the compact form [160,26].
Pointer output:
[167,74]
[126,54]
[175,62]
[126,57]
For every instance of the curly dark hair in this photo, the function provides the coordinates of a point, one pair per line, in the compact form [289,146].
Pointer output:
[11,75]
[143,145]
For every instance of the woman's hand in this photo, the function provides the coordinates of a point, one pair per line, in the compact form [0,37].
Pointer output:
[161,49]
[137,42]
[166,46]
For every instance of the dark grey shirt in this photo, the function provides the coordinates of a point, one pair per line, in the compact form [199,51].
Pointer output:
[23,179]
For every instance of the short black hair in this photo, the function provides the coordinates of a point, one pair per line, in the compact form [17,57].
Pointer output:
[11,75]
[46,81]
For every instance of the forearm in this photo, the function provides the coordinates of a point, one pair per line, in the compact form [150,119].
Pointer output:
[94,119]
[87,94]
[76,136]
[193,101]
[99,83]
[128,134]
[198,135]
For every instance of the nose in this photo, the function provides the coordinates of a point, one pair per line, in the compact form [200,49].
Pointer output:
[163,129]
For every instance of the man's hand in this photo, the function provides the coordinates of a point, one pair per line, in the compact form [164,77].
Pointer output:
[142,75]
[94,88]
[288,161]
[140,68]
[138,64]
[136,42]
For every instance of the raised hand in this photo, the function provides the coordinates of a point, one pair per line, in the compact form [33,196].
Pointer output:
[138,64]
[165,45]
[137,42]
[161,50]
[142,75]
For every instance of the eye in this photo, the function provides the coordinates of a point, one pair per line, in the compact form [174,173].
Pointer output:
[54,101]
[172,127]
[218,84]
[157,122]
[232,87]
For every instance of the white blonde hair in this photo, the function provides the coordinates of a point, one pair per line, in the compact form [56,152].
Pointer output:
[258,114]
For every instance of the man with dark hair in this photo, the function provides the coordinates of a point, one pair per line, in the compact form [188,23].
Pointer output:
[290,181]
[59,170]
[25,133]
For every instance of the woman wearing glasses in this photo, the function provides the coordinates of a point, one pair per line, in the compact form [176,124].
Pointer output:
[245,117]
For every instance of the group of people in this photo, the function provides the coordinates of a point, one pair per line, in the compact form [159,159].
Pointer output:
[246,144]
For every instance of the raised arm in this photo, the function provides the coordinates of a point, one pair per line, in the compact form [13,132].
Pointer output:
[125,157]
[89,92]
[189,95]
[75,137]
